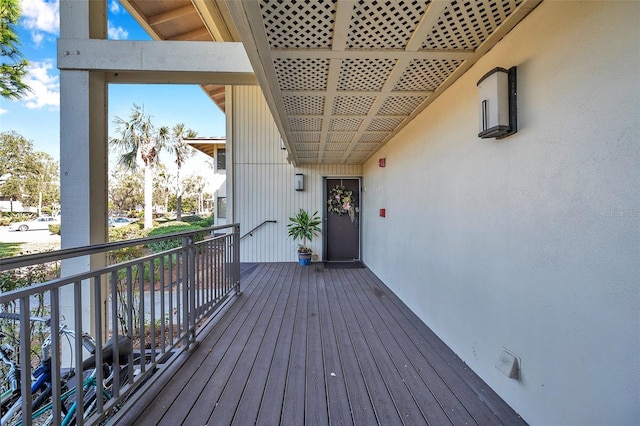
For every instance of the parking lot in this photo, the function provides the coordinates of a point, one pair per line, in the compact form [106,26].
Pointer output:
[34,241]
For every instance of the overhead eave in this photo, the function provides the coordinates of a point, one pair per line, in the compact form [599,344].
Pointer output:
[343,78]
[186,20]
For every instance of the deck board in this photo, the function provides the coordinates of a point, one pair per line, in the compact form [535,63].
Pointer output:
[309,345]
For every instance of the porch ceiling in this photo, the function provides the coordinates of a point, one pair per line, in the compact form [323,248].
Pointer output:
[342,77]
[181,20]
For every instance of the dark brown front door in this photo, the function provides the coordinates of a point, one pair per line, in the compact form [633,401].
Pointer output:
[342,230]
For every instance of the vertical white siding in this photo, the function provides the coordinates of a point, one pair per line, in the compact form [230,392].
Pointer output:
[263,181]
[532,242]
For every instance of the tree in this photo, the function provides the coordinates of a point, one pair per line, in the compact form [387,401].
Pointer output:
[139,145]
[26,175]
[44,182]
[125,190]
[13,67]
[162,186]
[194,186]
[181,151]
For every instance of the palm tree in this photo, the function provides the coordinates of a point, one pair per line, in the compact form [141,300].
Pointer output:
[139,145]
[182,151]
[163,183]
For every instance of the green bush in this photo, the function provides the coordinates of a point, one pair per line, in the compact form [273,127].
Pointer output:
[5,221]
[170,228]
[205,223]
[54,229]
[161,219]
[19,217]
[191,218]
[129,232]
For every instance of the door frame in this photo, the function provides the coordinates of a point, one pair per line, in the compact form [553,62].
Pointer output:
[325,215]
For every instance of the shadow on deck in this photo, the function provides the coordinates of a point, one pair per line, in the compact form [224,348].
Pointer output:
[309,345]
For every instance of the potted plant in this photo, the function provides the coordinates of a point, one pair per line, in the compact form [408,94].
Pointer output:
[304,226]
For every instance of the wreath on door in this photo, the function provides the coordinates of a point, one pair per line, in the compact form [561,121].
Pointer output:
[341,201]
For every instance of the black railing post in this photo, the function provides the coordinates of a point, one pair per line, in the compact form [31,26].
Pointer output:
[185,289]
[189,288]
[236,258]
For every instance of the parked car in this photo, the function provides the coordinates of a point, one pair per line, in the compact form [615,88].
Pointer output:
[42,222]
[120,221]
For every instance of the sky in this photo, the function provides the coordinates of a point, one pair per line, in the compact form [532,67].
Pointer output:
[37,116]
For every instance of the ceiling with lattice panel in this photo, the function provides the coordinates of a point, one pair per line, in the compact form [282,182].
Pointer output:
[342,77]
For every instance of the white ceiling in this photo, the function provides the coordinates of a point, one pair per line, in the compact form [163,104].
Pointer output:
[342,77]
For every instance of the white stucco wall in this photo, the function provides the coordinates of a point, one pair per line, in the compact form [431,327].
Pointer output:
[263,181]
[531,243]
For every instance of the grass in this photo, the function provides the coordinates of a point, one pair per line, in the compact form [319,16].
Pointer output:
[9,249]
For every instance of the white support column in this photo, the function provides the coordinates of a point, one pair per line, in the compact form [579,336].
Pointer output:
[230,156]
[83,151]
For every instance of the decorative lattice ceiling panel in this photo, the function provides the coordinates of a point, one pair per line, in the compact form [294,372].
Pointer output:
[352,124]
[365,74]
[340,137]
[305,137]
[373,137]
[466,24]
[352,105]
[305,124]
[400,105]
[307,147]
[336,147]
[304,105]
[384,24]
[302,74]
[299,24]
[369,147]
[425,74]
[345,76]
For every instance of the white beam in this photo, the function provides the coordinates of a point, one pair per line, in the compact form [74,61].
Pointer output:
[169,56]
[157,77]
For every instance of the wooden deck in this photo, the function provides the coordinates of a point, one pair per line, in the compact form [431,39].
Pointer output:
[316,346]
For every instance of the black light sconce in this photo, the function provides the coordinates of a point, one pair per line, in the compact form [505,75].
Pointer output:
[298,182]
[498,107]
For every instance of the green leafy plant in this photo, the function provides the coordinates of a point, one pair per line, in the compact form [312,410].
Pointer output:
[129,232]
[191,218]
[304,226]
[170,228]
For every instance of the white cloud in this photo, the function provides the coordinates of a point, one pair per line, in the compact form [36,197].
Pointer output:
[114,7]
[41,15]
[3,111]
[37,38]
[45,86]
[117,33]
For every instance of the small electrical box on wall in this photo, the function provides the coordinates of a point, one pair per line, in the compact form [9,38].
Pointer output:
[497,103]
[382,162]
[383,212]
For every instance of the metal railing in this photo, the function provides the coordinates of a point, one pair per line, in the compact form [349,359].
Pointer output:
[158,300]
[250,233]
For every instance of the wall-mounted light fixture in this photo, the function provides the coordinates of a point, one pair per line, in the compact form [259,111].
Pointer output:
[298,182]
[497,102]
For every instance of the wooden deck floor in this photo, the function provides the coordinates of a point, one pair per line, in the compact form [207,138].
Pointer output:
[316,346]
